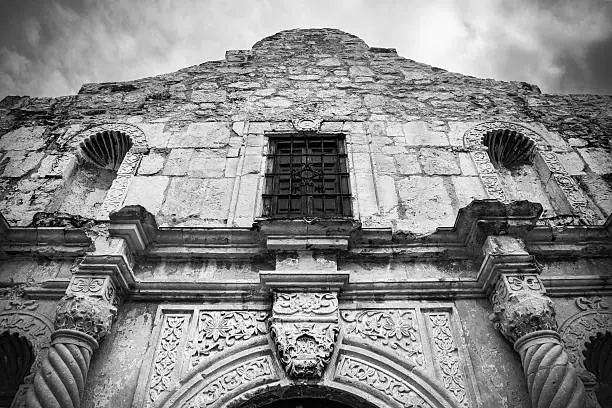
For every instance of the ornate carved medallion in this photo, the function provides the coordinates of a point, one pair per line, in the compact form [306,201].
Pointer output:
[305,327]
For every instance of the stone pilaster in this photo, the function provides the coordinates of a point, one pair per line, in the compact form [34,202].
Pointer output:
[525,315]
[80,323]
[85,315]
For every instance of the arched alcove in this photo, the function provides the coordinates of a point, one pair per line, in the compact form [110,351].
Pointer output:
[516,163]
[16,359]
[108,158]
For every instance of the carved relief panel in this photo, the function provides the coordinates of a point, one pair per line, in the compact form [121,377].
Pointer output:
[428,339]
[187,337]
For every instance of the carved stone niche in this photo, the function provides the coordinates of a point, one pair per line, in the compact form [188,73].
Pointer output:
[304,326]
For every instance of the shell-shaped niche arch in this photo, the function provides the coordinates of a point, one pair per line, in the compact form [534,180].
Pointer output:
[106,149]
[509,148]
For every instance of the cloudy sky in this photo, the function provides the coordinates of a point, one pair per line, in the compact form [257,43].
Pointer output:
[52,47]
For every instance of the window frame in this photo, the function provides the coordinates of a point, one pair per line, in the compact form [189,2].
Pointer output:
[341,194]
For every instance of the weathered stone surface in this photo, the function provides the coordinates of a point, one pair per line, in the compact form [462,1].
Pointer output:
[202,134]
[23,138]
[20,163]
[177,162]
[425,204]
[598,159]
[148,192]
[468,189]
[438,161]
[151,163]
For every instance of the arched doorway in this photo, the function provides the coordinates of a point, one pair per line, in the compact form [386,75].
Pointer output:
[306,403]
[16,359]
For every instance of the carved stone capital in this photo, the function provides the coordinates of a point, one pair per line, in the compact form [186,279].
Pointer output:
[92,316]
[94,285]
[520,306]
[305,327]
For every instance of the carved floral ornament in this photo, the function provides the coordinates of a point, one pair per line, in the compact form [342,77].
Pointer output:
[594,318]
[305,328]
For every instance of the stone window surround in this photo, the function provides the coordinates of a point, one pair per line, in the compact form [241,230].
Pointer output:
[566,195]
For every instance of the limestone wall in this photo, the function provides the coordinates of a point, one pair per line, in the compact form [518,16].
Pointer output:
[205,126]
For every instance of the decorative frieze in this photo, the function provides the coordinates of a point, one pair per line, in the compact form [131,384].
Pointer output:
[305,327]
[361,373]
[396,329]
[163,375]
[446,355]
[217,330]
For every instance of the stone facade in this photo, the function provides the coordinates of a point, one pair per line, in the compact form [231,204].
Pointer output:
[157,282]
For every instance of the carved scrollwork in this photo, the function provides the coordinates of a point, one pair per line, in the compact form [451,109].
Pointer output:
[19,317]
[576,331]
[305,327]
[85,314]
[307,124]
[447,355]
[165,359]
[255,371]
[218,330]
[95,286]
[356,371]
[397,329]
[305,303]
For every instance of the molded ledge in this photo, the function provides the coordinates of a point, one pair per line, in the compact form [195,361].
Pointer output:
[304,281]
[134,224]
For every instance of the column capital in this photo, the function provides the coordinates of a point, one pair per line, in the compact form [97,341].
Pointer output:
[85,314]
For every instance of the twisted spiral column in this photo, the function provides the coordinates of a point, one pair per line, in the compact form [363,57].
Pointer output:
[81,321]
[61,379]
[552,381]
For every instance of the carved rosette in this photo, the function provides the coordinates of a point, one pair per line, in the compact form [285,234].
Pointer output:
[305,328]
[95,286]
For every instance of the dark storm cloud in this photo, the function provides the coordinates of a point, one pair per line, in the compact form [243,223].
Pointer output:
[53,47]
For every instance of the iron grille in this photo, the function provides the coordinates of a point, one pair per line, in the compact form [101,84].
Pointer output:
[307,177]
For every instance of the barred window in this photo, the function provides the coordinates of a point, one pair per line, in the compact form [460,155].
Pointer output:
[307,176]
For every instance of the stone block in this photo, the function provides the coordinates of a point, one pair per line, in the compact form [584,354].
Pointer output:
[384,164]
[23,138]
[203,134]
[598,159]
[155,135]
[438,161]
[57,166]
[231,167]
[207,163]
[387,195]
[599,191]
[329,62]
[466,164]
[407,163]
[21,162]
[395,129]
[217,199]
[151,163]
[252,164]
[457,131]
[419,134]
[360,71]
[247,198]
[177,162]
[184,198]
[468,189]
[424,204]
[148,192]
[202,96]
[573,163]
[366,194]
